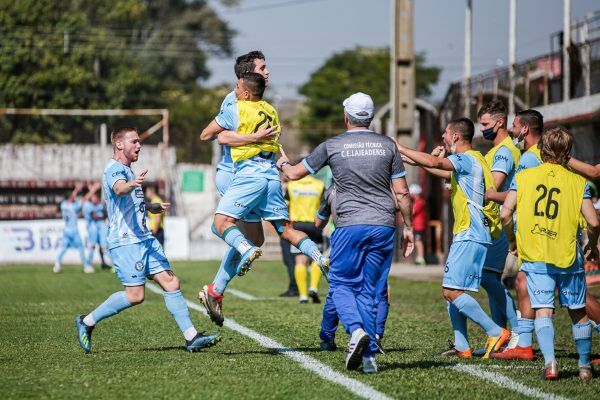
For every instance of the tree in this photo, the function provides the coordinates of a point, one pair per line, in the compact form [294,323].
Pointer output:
[102,54]
[356,70]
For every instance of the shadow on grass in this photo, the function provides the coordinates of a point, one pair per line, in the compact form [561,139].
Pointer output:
[425,364]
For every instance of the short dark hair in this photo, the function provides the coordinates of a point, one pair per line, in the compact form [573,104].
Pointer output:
[254,83]
[495,108]
[532,118]
[118,133]
[464,127]
[245,62]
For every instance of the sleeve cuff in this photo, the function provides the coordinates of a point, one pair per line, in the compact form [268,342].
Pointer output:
[499,170]
[308,167]
[321,217]
[399,175]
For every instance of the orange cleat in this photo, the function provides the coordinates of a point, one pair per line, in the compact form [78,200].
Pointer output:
[596,361]
[494,343]
[551,371]
[516,353]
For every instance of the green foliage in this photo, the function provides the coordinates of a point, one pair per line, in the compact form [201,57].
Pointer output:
[351,71]
[104,54]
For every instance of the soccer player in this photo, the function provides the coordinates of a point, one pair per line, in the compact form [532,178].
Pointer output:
[304,198]
[367,173]
[95,215]
[156,223]
[330,319]
[256,185]
[251,225]
[136,254]
[549,201]
[526,131]
[469,176]
[503,159]
[70,208]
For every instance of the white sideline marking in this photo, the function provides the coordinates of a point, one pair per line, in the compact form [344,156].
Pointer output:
[324,371]
[506,382]
[242,295]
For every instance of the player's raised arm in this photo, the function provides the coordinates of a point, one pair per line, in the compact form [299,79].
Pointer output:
[593,228]
[588,171]
[233,139]
[291,172]
[123,187]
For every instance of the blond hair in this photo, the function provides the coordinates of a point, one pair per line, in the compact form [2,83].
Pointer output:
[555,145]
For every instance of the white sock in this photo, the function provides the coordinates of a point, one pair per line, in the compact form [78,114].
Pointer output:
[190,333]
[89,320]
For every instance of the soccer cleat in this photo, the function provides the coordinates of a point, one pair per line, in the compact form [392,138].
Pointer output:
[88,269]
[84,333]
[289,293]
[551,371]
[516,353]
[105,266]
[493,343]
[57,269]
[596,362]
[248,258]
[200,342]
[212,302]
[379,345]
[370,365]
[328,346]
[453,352]
[585,373]
[314,296]
[359,342]
[303,300]
[323,263]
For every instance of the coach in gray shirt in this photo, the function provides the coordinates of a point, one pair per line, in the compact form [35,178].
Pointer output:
[369,178]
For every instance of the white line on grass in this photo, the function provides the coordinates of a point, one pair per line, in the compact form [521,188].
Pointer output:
[242,295]
[324,371]
[506,382]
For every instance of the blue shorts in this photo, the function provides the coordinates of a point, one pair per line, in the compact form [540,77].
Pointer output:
[223,180]
[134,262]
[97,234]
[464,265]
[71,239]
[543,279]
[495,259]
[247,194]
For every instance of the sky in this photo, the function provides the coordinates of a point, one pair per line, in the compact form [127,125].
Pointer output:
[297,36]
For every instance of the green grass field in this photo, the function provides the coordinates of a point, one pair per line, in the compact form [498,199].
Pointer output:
[140,352]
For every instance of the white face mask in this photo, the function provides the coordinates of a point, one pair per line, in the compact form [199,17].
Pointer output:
[519,142]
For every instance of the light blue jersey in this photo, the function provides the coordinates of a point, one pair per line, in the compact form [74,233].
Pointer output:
[226,163]
[89,209]
[259,166]
[70,211]
[528,160]
[469,177]
[126,214]
[504,162]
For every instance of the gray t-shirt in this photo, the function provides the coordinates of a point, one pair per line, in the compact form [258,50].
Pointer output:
[363,164]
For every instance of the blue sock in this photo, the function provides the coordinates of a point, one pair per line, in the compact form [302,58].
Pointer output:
[544,330]
[116,303]
[90,257]
[60,255]
[597,328]
[525,327]
[470,308]
[492,284]
[459,325]
[84,259]
[227,270]
[178,308]
[233,237]
[582,333]
[309,249]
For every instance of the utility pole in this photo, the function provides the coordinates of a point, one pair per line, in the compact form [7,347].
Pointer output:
[402,94]
[466,90]
[565,50]
[512,49]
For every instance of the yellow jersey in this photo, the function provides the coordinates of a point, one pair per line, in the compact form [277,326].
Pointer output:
[305,198]
[153,218]
[549,201]
[252,116]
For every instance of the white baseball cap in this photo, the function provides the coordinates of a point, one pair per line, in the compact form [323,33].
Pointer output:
[359,106]
[415,189]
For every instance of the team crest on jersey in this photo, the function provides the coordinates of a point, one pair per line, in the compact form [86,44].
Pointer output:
[139,266]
